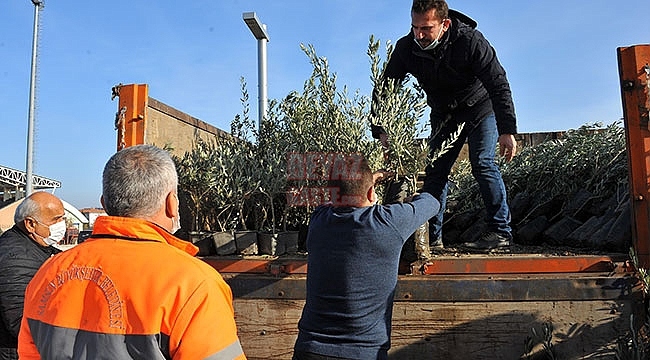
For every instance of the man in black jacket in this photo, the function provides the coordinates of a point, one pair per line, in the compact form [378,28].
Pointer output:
[39,223]
[470,100]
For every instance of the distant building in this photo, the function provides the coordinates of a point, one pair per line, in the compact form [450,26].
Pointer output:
[92,214]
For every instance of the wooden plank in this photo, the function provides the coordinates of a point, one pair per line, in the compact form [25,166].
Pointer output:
[541,287]
[455,330]
[267,328]
[477,288]
[497,330]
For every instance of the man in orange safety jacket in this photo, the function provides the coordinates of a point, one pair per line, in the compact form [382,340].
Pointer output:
[132,290]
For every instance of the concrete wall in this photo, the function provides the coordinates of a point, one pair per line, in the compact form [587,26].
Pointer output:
[172,128]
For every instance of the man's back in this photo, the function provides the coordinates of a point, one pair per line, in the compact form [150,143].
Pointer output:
[130,291]
[352,273]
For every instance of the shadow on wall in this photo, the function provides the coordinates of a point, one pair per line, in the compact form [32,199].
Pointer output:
[503,336]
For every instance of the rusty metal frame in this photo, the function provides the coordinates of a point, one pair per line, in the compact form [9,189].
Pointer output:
[634,73]
[467,279]
[460,288]
[522,264]
[258,266]
[470,264]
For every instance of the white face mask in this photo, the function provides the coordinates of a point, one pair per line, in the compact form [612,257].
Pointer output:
[176,221]
[57,233]
[434,43]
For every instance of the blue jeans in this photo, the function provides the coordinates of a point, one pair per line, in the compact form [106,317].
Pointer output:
[482,139]
[303,355]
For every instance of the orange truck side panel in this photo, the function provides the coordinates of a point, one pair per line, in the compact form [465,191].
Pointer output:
[634,72]
[474,264]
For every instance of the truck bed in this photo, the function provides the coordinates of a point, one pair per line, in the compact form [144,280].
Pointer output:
[458,305]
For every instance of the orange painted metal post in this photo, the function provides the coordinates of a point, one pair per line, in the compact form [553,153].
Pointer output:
[131,115]
[471,265]
[524,264]
[634,72]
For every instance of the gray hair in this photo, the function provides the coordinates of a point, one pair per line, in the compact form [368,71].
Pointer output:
[28,207]
[136,181]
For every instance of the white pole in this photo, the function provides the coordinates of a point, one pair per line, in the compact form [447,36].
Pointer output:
[259,31]
[261,79]
[29,186]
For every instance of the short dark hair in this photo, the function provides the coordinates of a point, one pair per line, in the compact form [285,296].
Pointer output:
[422,6]
[356,185]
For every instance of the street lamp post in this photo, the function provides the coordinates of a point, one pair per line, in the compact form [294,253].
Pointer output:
[29,182]
[259,31]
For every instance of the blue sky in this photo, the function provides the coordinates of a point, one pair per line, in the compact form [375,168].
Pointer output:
[560,56]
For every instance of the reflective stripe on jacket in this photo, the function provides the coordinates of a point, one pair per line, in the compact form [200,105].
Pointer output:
[131,291]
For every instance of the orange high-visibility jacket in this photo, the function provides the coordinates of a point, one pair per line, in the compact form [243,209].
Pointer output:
[131,291]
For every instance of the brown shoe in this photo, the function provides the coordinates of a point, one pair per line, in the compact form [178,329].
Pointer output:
[437,244]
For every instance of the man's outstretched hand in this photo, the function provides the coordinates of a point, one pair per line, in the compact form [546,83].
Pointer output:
[507,146]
